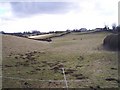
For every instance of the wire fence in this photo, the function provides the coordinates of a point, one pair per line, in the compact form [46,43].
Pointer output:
[29,79]
[17,78]
[65,78]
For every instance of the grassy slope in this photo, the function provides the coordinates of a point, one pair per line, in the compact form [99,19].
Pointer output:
[82,56]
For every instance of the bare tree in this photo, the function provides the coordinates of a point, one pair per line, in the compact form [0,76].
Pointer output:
[113,26]
[106,27]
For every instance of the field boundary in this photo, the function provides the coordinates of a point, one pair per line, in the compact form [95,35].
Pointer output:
[18,78]
[65,78]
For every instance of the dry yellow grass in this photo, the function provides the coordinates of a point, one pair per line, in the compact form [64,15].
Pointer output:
[41,36]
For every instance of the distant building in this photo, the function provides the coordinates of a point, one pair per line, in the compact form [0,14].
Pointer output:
[83,29]
[98,29]
[35,32]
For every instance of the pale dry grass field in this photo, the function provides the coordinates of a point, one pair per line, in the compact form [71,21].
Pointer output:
[83,57]
[41,36]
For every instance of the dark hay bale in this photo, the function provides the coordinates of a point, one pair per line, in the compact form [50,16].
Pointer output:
[112,42]
[107,40]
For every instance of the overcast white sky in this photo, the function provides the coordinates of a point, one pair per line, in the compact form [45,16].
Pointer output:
[52,16]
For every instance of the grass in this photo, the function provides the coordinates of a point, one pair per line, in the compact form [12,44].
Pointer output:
[82,56]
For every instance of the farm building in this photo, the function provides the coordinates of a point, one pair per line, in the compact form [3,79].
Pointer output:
[83,29]
[98,29]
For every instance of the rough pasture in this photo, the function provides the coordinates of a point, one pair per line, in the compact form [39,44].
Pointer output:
[86,63]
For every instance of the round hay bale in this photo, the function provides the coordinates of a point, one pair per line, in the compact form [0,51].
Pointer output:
[107,40]
[112,42]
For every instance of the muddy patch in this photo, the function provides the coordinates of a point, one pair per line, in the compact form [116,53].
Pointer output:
[30,55]
[6,66]
[57,68]
[79,66]
[113,68]
[112,79]
[79,76]
[80,58]
[70,71]
[31,72]
[27,59]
